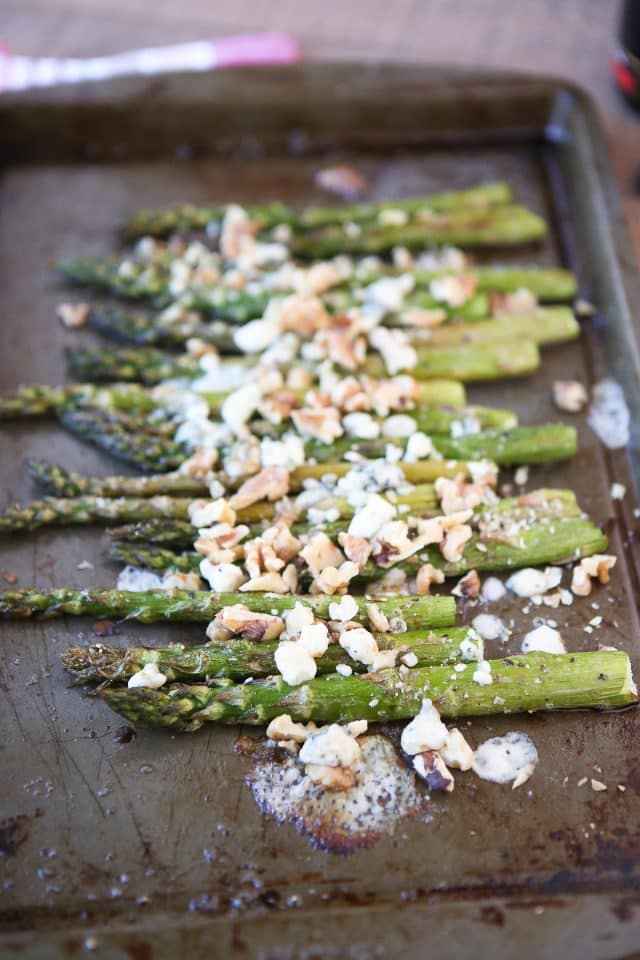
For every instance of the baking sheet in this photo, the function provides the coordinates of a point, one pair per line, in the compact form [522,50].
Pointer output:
[159,842]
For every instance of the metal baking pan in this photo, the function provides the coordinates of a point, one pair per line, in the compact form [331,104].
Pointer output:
[155,846]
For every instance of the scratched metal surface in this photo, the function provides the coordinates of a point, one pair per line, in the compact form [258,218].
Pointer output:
[158,844]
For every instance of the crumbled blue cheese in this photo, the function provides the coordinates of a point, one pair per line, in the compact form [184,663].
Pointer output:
[331,746]
[371,517]
[239,406]
[297,618]
[344,669]
[222,577]
[425,732]
[399,425]
[544,639]
[490,627]
[360,644]
[286,452]
[420,447]
[315,639]
[511,758]
[361,425]
[482,674]
[138,580]
[149,677]
[390,292]
[530,582]
[295,663]
[344,609]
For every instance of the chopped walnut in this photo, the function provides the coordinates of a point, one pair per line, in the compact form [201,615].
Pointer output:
[277,407]
[456,495]
[423,318]
[344,349]
[320,552]
[74,315]
[514,304]
[204,513]
[393,545]
[357,549]
[200,464]
[335,580]
[452,548]
[283,728]
[319,277]
[453,289]
[349,396]
[236,233]
[598,566]
[321,424]
[377,619]
[302,314]
[271,483]
[270,582]
[468,586]
[570,395]
[221,543]
[427,574]
[343,180]
[401,392]
[181,581]
[434,771]
[245,623]
[333,778]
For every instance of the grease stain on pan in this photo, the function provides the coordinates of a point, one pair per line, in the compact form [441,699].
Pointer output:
[386,793]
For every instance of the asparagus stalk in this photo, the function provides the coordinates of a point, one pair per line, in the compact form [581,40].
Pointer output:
[144,329]
[57,481]
[538,444]
[507,225]
[155,606]
[554,531]
[193,217]
[91,509]
[167,533]
[544,326]
[137,447]
[529,683]
[548,284]
[239,659]
[432,409]
[491,361]
[88,509]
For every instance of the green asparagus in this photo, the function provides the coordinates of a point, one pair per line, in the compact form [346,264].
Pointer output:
[239,659]
[155,606]
[519,684]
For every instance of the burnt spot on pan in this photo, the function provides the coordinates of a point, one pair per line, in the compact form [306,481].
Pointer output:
[342,821]
[13,832]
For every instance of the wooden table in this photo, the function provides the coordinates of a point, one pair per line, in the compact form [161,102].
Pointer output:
[566,37]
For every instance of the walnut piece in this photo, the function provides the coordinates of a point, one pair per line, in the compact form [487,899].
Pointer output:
[271,483]
[245,623]
[570,395]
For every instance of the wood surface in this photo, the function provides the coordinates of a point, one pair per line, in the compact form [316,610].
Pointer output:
[571,38]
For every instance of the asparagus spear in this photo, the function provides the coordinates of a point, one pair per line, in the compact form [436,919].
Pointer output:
[40,399]
[490,361]
[520,684]
[154,606]
[88,509]
[544,326]
[57,481]
[147,329]
[539,444]
[169,533]
[91,509]
[239,659]
[553,531]
[192,217]
[137,447]
[506,225]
